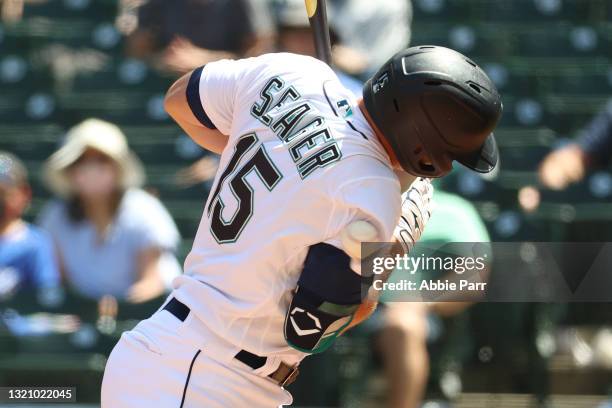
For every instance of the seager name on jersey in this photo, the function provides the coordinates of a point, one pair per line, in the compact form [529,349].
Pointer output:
[298,124]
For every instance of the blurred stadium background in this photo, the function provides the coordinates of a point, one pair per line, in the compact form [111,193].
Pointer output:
[63,61]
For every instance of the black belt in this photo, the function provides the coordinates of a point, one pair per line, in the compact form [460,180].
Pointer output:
[178,309]
[284,375]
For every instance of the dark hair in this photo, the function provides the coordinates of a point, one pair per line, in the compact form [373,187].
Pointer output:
[76,212]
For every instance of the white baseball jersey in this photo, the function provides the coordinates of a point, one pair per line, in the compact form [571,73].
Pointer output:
[301,163]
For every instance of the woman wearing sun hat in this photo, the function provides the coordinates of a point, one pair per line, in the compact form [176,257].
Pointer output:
[112,237]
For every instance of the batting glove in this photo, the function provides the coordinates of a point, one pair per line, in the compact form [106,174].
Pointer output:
[416,210]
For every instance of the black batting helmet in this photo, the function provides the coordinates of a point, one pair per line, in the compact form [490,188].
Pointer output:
[434,102]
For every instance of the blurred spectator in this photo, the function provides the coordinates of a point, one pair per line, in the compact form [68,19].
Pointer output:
[202,171]
[112,237]
[369,32]
[592,148]
[295,36]
[27,261]
[11,10]
[402,334]
[364,34]
[181,35]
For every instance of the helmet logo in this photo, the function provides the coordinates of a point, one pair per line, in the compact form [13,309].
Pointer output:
[381,82]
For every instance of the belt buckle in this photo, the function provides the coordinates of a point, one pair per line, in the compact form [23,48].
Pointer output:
[291,376]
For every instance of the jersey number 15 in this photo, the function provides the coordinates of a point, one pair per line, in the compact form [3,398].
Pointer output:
[229,231]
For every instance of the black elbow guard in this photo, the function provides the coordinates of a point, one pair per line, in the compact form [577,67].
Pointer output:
[328,294]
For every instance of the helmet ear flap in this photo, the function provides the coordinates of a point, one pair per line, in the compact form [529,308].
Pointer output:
[428,165]
[423,160]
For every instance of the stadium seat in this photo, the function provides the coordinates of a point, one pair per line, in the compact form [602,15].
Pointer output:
[66,9]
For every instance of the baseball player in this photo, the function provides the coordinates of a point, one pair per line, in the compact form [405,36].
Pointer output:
[269,279]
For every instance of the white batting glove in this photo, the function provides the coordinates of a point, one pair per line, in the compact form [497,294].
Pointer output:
[416,210]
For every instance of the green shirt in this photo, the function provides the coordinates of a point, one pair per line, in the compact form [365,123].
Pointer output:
[454,219]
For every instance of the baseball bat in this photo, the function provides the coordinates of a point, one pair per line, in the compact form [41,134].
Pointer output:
[317,16]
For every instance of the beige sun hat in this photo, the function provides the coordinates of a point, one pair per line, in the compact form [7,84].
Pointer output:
[99,135]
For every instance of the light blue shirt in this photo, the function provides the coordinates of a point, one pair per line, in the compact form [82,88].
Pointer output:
[97,267]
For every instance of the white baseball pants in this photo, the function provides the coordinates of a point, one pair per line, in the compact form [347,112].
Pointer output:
[166,363]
